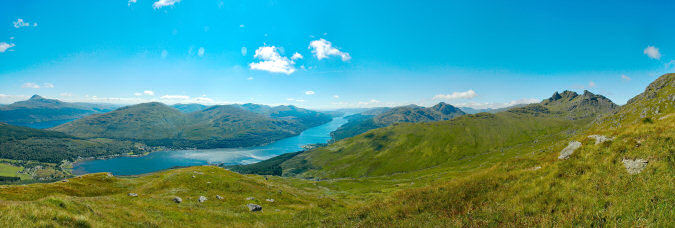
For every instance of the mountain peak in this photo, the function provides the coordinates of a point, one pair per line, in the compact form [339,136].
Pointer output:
[36,97]
[445,108]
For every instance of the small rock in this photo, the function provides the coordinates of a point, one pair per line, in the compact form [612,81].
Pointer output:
[177,199]
[634,166]
[571,147]
[133,194]
[599,139]
[219,197]
[536,167]
[250,198]
[208,182]
[64,181]
[202,199]
[254,207]
[270,200]
[193,176]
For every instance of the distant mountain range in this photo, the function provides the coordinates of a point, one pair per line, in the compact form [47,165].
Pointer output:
[382,117]
[411,147]
[217,126]
[469,110]
[40,112]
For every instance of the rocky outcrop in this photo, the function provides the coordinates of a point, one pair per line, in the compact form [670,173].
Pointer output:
[634,166]
[569,150]
[254,207]
[599,138]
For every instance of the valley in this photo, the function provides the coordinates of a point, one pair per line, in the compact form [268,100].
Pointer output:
[469,170]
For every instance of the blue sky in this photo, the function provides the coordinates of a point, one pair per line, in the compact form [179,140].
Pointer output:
[353,53]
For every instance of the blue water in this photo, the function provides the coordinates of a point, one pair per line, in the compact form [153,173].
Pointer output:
[171,158]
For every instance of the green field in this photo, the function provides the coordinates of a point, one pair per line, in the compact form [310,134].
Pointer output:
[10,170]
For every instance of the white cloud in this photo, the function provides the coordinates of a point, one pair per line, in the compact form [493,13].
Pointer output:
[66,94]
[201,52]
[323,49]
[4,46]
[457,95]
[652,52]
[30,85]
[138,94]
[272,61]
[164,54]
[625,78]
[177,97]
[149,93]
[487,105]
[131,1]
[20,23]
[336,96]
[591,84]
[48,85]
[241,25]
[249,78]
[296,56]
[163,3]
[309,92]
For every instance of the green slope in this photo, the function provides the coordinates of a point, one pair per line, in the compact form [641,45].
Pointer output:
[592,188]
[217,126]
[410,147]
[382,117]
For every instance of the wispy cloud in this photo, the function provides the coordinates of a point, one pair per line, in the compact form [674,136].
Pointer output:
[494,105]
[5,46]
[309,92]
[591,84]
[625,78]
[670,66]
[164,54]
[178,97]
[201,51]
[4,98]
[456,95]
[295,100]
[130,2]
[652,52]
[20,23]
[32,85]
[163,3]
[243,51]
[323,49]
[249,78]
[336,96]
[272,61]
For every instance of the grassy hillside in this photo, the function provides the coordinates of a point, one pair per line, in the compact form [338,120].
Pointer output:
[522,185]
[39,112]
[76,204]
[409,147]
[378,118]
[217,126]
[591,188]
